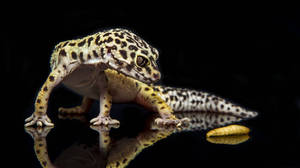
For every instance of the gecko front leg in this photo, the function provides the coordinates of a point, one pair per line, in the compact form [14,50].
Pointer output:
[148,97]
[39,116]
[105,105]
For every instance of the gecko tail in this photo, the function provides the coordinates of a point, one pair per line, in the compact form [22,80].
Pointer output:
[186,100]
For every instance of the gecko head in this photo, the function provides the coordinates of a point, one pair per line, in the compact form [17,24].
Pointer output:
[131,55]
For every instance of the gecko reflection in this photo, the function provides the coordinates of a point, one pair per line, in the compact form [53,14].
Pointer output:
[112,152]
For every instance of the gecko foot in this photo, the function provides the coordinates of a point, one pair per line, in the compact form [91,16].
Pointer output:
[172,122]
[73,110]
[104,121]
[38,120]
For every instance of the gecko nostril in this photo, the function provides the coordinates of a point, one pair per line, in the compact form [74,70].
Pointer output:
[156,75]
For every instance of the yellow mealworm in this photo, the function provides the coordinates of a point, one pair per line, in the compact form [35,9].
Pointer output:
[228,130]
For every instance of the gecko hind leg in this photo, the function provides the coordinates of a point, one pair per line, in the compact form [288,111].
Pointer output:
[82,109]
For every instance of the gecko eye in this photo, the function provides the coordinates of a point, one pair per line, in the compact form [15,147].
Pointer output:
[142,61]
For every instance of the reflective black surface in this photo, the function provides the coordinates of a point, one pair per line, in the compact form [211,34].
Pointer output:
[247,54]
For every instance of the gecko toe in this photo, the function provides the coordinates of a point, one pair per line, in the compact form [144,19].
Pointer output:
[38,120]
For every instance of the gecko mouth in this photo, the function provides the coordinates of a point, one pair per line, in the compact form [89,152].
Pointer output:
[133,73]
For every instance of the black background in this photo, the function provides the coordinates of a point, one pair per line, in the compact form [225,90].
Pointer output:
[247,53]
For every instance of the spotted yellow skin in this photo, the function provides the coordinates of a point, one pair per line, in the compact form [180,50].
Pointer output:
[117,66]
[111,66]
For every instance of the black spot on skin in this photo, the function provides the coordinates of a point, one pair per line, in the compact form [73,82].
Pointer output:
[74,55]
[117,164]
[62,52]
[163,107]
[145,52]
[97,40]
[152,50]
[109,39]
[132,55]
[38,101]
[136,84]
[51,78]
[45,89]
[136,37]
[41,107]
[139,69]
[106,106]
[148,69]
[222,106]
[124,161]
[101,52]
[81,57]
[81,43]
[129,67]
[124,44]
[117,41]
[72,44]
[65,44]
[95,53]
[90,40]
[153,94]
[147,89]
[89,56]
[65,67]
[121,35]
[129,40]
[237,110]
[132,47]
[106,34]
[165,91]
[123,54]
[160,102]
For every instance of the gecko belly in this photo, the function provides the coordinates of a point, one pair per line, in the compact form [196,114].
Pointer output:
[87,80]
